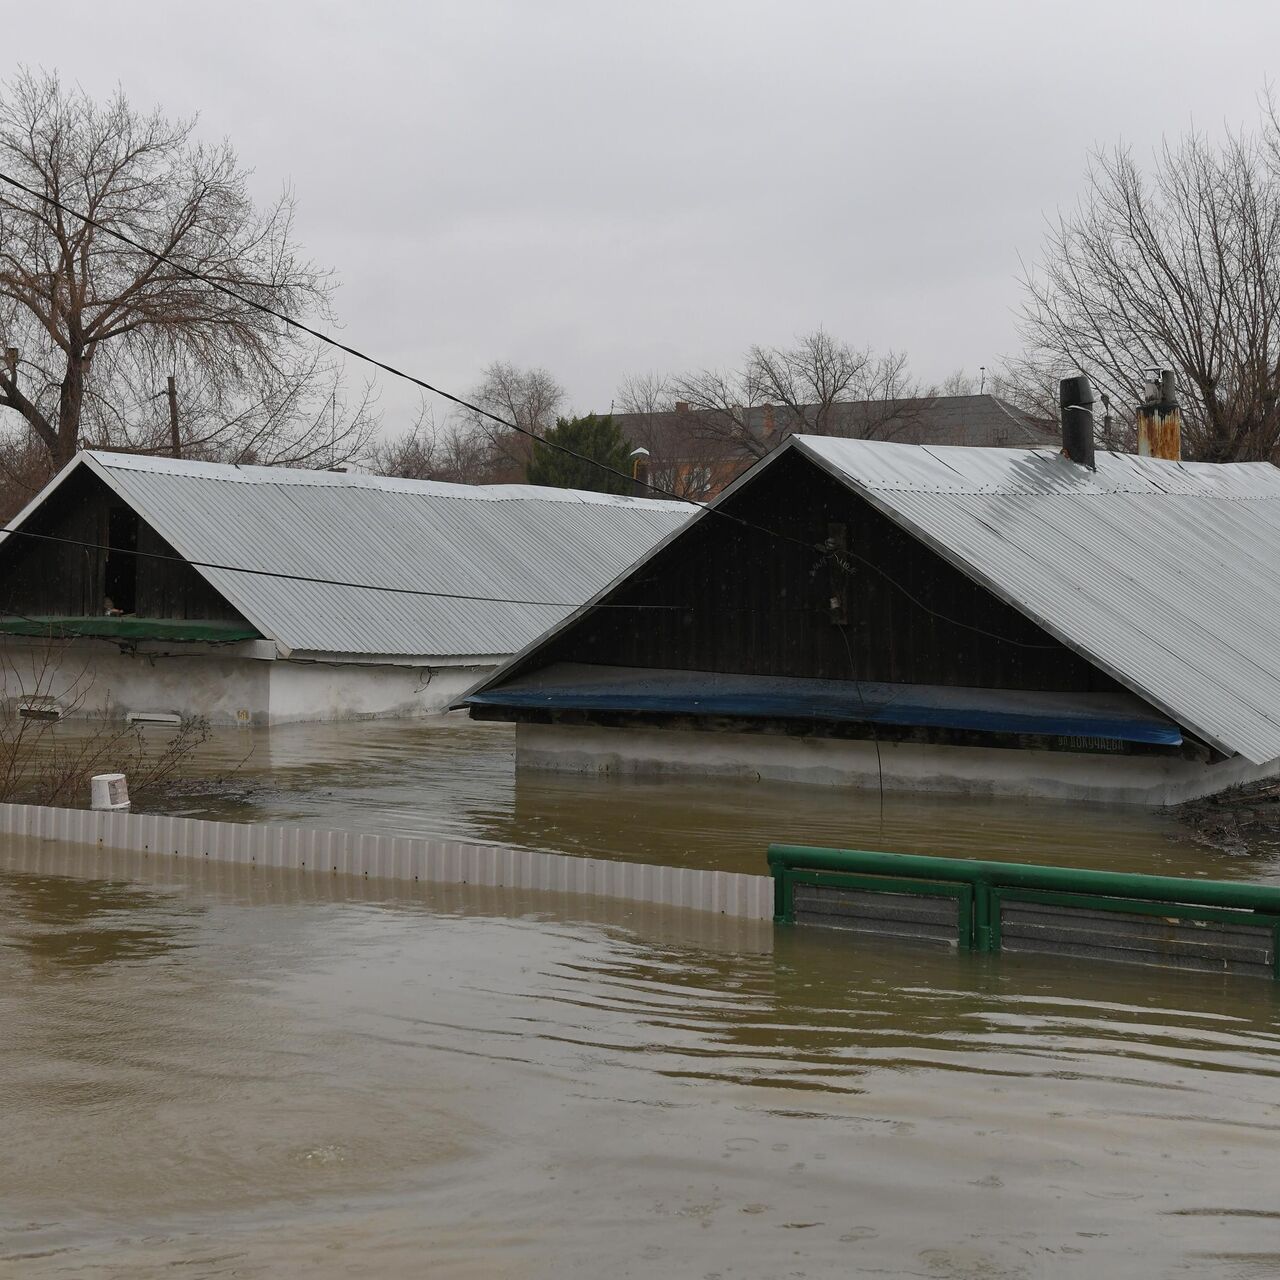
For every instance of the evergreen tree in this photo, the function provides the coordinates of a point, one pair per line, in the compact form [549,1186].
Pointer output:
[595,437]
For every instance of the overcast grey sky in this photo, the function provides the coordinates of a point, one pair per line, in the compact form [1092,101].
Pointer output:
[604,188]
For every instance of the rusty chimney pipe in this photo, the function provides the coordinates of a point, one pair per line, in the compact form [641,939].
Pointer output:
[640,471]
[1159,418]
[1075,399]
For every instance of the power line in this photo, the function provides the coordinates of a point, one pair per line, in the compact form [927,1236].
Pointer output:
[301,577]
[263,309]
[841,558]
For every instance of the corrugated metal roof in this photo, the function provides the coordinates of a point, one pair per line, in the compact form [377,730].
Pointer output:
[505,542]
[1162,573]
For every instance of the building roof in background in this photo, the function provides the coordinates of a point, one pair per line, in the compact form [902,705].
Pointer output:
[1161,573]
[983,421]
[972,420]
[496,542]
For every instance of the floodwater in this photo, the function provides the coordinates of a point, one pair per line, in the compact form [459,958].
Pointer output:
[453,778]
[216,1071]
[220,1071]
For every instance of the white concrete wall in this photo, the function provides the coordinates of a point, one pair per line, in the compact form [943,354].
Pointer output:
[230,685]
[101,681]
[906,766]
[306,691]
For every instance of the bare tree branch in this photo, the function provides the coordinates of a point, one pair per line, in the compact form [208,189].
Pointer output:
[1176,267]
[100,325]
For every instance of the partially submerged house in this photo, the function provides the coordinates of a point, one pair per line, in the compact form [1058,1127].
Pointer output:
[982,619]
[155,587]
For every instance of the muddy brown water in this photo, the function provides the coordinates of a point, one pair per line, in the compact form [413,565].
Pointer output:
[450,777]
[215,1071]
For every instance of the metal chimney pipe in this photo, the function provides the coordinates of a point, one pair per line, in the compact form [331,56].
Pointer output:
[640,470]
[1075,399]
[1160,419]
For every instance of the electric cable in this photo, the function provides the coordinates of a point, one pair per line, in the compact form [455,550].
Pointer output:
[355,352]
[328,340]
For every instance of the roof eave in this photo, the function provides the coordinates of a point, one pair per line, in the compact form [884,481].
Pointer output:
[15,523]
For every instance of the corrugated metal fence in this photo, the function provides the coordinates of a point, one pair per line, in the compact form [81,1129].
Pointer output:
[406,858]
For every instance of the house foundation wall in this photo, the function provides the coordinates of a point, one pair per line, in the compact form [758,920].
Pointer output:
[92,678]
[309,691]
[899,766]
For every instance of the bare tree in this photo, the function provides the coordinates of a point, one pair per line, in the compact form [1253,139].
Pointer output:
[811,380]
[98,326]
[819,385]
[1179,268]
[683,460]
[1029,382]
[530,398]
[457,453]
[726,406]
[958,383]
[25,468]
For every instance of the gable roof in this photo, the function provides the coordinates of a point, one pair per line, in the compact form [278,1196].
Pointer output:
[500,542]
[1163,574]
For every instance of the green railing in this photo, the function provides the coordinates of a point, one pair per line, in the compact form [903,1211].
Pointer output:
[1152,919]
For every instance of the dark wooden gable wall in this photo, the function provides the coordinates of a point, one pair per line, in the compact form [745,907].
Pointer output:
[736,600]
[64,580]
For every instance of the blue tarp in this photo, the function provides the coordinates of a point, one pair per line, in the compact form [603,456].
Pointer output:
[1116,717]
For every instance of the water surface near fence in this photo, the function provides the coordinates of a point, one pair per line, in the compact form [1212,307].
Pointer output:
[453,779]
[217,1070]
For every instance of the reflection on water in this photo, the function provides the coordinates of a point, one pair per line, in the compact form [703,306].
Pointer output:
[453,778]
[331,1077]
[56,921]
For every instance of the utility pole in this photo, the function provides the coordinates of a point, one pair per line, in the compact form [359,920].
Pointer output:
[174,438]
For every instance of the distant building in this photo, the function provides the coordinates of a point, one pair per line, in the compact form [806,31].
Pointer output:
[263,594]
[696,453]
[990,620]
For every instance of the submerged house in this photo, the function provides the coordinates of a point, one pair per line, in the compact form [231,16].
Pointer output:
[991,620]
[155,587]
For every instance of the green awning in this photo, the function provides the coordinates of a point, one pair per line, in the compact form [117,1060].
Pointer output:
[109,628]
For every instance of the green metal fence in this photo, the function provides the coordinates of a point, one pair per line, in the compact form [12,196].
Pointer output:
[991,906]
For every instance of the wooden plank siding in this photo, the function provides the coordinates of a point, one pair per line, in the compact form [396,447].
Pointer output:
[65,580]
[753,604]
